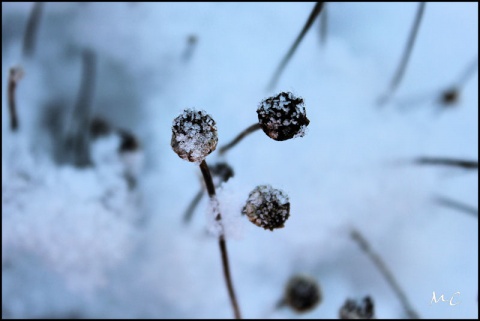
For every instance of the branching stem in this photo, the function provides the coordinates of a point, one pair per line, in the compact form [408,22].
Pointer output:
[240,136]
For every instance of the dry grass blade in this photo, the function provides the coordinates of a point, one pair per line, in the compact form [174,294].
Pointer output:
[387,274]
[398,76]
[315,12]
[462,163]
[447,202]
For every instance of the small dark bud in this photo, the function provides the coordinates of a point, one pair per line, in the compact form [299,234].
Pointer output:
[129,143]
[222,170]
[357,310]
[194,135]
[450,97]
[267,207]
[99,127]
[283,116]
[302,293]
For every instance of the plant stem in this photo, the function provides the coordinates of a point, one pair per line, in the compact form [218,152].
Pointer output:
[221,241]
[406,55]
[467,209]
[362,242]
[240,136]
[16,73]
[189,212]
[324,25]
[466,164]
[468,72]
[31,29]
[315,12]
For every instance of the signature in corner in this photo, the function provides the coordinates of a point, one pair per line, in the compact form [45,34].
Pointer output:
[442,299]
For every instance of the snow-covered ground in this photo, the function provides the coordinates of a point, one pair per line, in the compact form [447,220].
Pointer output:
[82,242]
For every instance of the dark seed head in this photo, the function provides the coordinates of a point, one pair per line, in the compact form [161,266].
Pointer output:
[283,116]
[302,293]
[352,309]
[267,207]
[194,135]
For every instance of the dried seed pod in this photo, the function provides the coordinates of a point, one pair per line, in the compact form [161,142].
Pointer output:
[267,207]
[352,309]
[302,293]
[283,116]
[194,135]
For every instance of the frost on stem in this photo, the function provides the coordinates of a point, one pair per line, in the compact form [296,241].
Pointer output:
[353,309]
[267,207]
[194,135]
[283,116]
[302,293]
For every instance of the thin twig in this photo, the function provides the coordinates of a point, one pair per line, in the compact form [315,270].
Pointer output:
[324,25]
[448,202]
[467,73]
[406,56]
[31,30]
[16,73]
[466,164]
[362,242]
[221,241]
[315,12]
[249,130]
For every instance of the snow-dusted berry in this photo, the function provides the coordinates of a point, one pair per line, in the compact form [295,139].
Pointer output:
[352,309]
[267,207]
[283,116]
[194,135]
[302,293]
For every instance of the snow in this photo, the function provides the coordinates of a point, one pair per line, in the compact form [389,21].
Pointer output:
[84,242]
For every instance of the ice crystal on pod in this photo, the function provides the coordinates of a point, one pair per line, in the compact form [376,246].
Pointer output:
[267,207]
[194,135]
[283,116]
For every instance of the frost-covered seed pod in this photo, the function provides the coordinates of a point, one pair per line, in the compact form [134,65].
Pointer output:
[194,135]
[302,293]
[267,207]
[283,116]
[352,309]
